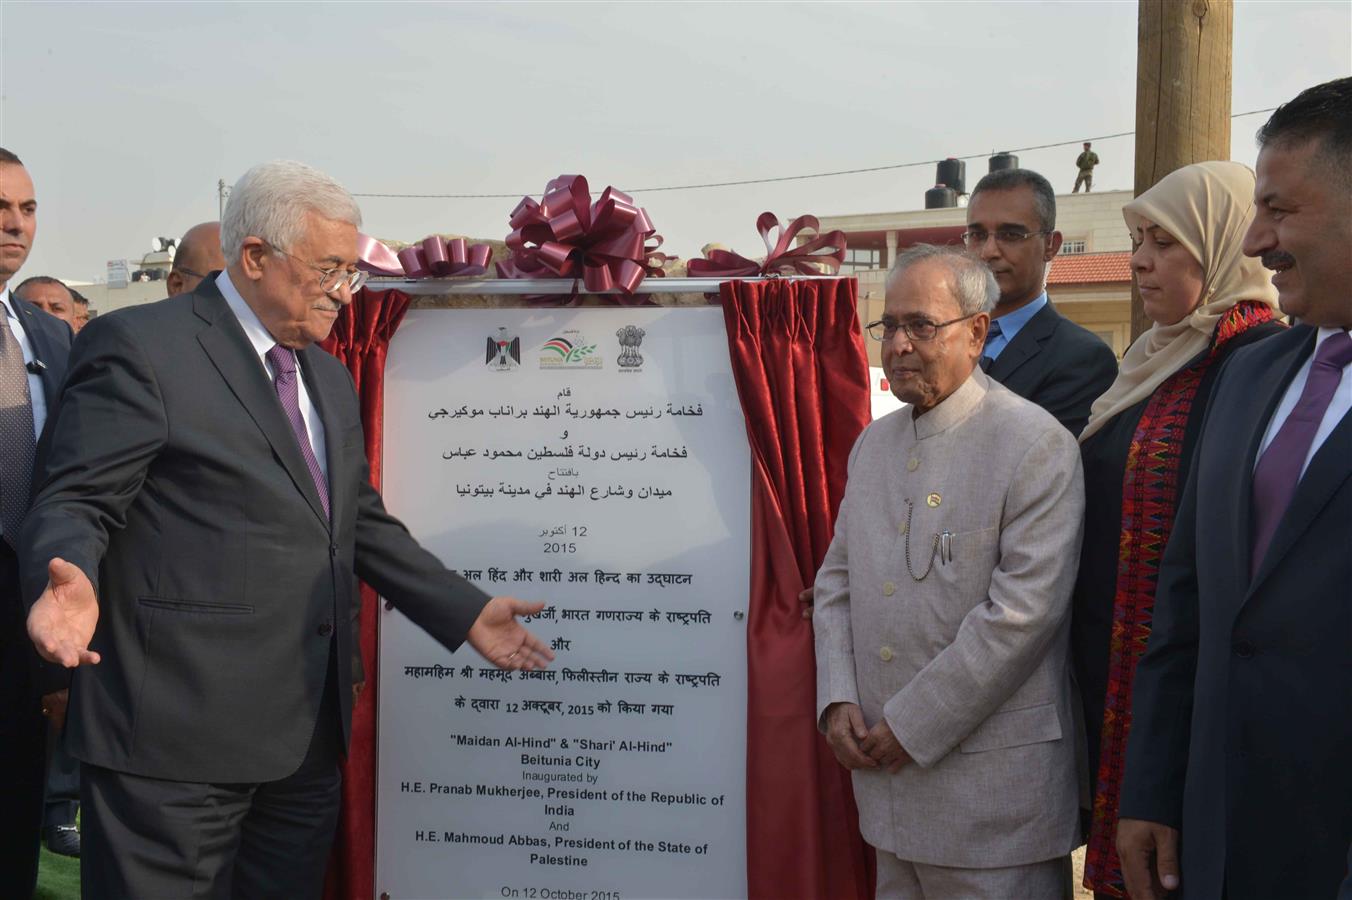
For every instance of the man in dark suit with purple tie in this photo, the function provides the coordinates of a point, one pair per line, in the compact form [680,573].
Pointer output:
[1238,761]
[202,517]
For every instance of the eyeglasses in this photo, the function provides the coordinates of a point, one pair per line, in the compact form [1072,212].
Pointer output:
[916,329]
[184,270]
[1001,235]
[330,280]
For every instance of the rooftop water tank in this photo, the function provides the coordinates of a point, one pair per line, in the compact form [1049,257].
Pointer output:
[1002,161]
[953,172]
[941,196]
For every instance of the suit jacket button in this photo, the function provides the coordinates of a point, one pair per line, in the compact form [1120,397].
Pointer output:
[1245,650]
[885,654]
[326,629]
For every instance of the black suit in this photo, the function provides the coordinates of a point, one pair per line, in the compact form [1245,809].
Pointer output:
[228,600]
[22,680]
[1058,365]
[1242,712]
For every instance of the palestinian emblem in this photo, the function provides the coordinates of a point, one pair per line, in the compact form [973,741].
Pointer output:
[630,336]
[569,350]
[504,352]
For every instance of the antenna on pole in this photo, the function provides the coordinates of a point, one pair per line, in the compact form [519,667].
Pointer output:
[222,192]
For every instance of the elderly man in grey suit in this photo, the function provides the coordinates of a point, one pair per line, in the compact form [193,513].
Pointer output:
[941,609]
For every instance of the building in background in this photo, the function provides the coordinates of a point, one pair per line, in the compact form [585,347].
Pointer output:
[103,298]
[1089,280]
[128,283]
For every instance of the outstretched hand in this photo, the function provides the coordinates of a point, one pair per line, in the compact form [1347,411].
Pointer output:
[61,624]
[504,641]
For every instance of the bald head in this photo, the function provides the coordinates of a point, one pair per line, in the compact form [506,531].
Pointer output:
[199,252]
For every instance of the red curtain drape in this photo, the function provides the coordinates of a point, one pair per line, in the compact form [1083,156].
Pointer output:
[360,340]
[802,375]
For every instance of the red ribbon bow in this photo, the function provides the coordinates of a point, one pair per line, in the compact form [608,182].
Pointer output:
[434,257]
[608,244]
[781,257]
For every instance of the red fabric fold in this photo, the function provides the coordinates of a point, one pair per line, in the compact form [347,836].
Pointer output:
[802,375]
[360,340]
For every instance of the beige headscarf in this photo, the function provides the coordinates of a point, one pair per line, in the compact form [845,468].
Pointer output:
[1207,207]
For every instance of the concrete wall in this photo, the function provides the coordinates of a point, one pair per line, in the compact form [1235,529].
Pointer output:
[1095,219]
[104,299]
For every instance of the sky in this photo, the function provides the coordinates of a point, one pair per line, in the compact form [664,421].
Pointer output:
[128,114]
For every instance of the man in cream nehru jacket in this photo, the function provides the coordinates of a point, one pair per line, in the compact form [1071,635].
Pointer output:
[941,609]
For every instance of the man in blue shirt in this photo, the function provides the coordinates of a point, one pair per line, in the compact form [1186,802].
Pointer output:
[1031,348]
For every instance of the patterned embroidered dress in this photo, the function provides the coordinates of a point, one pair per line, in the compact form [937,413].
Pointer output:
[1150,491]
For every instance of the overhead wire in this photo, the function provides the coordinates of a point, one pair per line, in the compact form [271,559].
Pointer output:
[782,178]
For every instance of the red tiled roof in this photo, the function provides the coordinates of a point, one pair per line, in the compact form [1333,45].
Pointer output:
[1091,268]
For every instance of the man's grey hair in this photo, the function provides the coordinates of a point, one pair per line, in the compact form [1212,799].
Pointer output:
[969,278]
[1044,198]
[271,201]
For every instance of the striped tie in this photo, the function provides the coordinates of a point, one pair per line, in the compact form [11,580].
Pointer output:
[16,432]
[283,362]
[1279,468]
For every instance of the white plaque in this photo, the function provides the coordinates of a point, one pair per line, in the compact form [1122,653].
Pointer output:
[595,459]
[119,273]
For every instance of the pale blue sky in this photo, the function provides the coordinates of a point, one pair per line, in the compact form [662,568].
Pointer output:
[127,113]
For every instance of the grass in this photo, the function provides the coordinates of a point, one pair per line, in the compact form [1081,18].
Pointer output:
[58,877]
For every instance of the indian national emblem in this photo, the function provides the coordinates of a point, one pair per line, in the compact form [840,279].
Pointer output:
[503,352]
[630,337]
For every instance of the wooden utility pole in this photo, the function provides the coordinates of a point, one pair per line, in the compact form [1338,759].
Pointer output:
[1183,70]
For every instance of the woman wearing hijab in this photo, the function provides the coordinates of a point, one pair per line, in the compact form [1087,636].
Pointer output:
[1206,299]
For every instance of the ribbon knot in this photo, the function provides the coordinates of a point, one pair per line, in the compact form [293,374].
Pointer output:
[822,251]
[610,244]
[432,257]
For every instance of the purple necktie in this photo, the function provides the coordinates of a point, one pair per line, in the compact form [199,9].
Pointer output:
[1278,471]
[284,364]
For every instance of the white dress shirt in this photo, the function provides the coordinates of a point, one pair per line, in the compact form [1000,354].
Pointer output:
[34,380]
[262,342]
[1338,406]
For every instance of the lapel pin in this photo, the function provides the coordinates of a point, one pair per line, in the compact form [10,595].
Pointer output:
[934,500]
